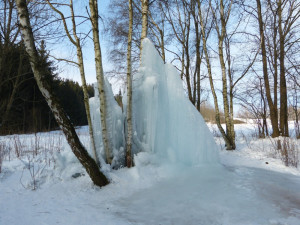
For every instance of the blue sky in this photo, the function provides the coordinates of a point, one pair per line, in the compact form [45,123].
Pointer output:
[65,49]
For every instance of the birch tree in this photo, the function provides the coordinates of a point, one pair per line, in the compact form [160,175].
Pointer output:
[129,91]
[203,24]
[62,119]
[100,78]
[145,8]
[75,40]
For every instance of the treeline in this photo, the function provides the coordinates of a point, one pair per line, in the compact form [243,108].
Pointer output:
[238,52]
[23,109]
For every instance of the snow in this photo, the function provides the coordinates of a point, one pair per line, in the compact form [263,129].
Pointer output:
[245,190]
[181,176]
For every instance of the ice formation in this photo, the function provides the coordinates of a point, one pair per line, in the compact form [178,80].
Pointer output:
[115,125]
[164,120]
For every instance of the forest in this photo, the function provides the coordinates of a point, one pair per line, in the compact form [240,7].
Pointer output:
[23,108]
[204,87]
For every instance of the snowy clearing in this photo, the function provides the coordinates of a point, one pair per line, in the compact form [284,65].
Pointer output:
[243,190]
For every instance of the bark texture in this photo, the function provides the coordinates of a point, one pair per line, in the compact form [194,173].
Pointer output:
[78,149]
[145,6]
[284,129]
[100,78]
[273,116]
[76,41]
[208,64]
[129,91]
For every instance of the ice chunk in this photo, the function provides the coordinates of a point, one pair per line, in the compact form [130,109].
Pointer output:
[115,123]
[164,119]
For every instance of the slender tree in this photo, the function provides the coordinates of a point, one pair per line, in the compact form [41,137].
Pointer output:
[273,116]
[75,40]
[208,64]
[145,8]
[129,91]
[62,119]
[100,78]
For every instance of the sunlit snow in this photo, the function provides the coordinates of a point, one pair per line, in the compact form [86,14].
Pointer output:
[180,175]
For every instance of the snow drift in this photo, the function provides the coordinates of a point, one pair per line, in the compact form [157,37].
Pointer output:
[164,120]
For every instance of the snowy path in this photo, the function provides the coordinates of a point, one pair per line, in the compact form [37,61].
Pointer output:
[227,195]
[238,196]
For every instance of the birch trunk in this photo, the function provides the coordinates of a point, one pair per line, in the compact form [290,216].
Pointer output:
[218,121]
[80,65]
[100,78]
[145,5]
[61,118]
[228,118]
[84,86]
[129,91]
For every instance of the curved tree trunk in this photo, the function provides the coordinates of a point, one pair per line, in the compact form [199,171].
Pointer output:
[61,118]
[80,65]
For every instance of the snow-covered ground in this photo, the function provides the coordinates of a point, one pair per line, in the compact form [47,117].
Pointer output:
[251,186]
[180,176]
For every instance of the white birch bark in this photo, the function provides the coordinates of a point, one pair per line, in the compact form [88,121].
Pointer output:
[80,65]
[145,5]
[61,118]
[100,78]
[208,64]
[129,91]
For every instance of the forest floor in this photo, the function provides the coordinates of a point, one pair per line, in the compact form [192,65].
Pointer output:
[250,186]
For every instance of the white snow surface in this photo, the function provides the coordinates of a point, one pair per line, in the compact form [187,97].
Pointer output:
[244,190]
[181,176]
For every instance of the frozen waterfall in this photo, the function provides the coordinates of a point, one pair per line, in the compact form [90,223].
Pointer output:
[164,120]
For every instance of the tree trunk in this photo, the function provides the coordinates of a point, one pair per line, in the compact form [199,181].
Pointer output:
[198,64]
[221,37]
[218,121]
[62,119]
[84,86]
[284,129]
[274,119]
[188,62]
[145,6]
[14,92]
[80,65]
[100,78]
[129,91]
